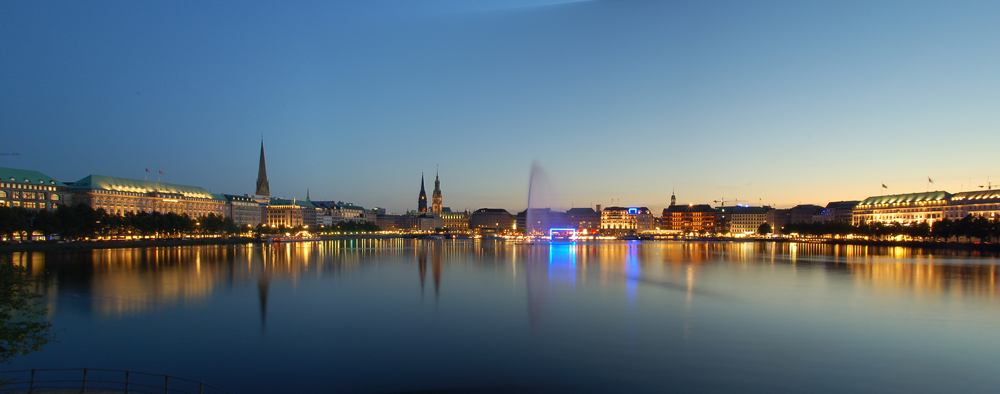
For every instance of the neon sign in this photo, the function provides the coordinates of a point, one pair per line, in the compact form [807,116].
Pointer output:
[633,211]
[562,233]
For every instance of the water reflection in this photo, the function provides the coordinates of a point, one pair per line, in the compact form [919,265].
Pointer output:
[347,315]
[122,282]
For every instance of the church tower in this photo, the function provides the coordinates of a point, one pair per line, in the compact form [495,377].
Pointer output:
[436,197]
[422,201]
[262,188]
[673,198]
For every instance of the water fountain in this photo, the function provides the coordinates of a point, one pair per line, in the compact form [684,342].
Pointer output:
[538,216]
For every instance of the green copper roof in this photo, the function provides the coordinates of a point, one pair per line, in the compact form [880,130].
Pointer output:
[976,196]
[27,176]
[102,182]
[907,198]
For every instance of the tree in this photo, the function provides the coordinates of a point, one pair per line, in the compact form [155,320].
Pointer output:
[764,229]
[22,328]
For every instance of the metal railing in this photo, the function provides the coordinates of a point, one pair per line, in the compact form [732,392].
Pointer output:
[96,379]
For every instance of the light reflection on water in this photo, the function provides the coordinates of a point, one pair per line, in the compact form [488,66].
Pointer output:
[369,315]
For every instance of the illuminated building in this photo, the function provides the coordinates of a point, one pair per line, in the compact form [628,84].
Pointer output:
[121,195]
[692,218]
[436,196]
[904,208]
[244,210]
[422,199]
[286,213]
[622,219]
[740,219]
[458,221]
[263,189]
[980,203]
[493,219]
[31,190]
[930,207]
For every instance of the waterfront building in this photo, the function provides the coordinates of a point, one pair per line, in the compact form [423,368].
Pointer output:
[492,219]
[914,208]
[840,211]
[542,219]
[804,213]
[627,220]
[340,211]
[583,219]
[422,198]
[420,222]
[906,208]
[740,219]
[31,190]
[387,222]
[455,221]
[979,203]
[692,218]
[436,199]
[122,195]
[263,188]
[281,212]
[778,219]
[244,210]
[312,216]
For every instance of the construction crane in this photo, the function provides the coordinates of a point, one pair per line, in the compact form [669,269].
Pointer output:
[723,201]
[988,185]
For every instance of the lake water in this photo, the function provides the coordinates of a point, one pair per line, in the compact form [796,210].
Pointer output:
[395,315]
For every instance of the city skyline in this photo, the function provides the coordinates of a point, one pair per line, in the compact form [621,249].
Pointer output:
[766,103]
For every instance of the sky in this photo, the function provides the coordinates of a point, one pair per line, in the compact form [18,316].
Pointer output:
[618,102]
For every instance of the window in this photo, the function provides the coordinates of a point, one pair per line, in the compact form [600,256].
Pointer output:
[16,195]
[54,197]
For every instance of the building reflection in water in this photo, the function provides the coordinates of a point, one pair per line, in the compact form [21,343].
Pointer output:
[121,282]
[436,251]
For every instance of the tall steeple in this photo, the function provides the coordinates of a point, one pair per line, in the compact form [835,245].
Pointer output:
[673,198]
[422,201]
[436,197]
[262,188]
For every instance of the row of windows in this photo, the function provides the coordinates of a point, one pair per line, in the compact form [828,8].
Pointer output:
[26,204]
[28,187]
[28,195]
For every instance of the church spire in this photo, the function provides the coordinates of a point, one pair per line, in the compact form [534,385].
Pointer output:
[673,198]
[436,197]
[262,187]
[422,200]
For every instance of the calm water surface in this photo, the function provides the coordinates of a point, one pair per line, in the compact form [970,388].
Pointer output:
[380,316]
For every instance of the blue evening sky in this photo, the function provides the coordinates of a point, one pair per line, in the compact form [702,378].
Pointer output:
[774,102]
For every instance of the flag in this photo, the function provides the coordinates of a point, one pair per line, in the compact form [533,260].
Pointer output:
[147,170]
[161,173]
[929,180]
[883,185]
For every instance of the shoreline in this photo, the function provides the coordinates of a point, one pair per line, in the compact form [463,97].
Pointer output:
[92,245]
